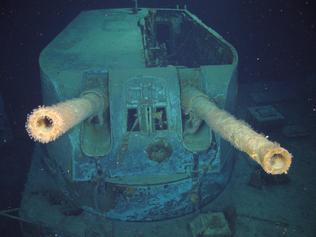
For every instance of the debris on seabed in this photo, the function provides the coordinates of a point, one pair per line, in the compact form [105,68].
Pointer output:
[210,225]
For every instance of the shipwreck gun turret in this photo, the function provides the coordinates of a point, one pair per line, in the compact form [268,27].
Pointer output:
[155,139]
[269,155]
[47,123]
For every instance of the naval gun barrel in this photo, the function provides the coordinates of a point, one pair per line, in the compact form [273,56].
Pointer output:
[46,123]
[269,155]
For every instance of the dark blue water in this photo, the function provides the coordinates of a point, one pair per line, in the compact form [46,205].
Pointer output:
[275,40]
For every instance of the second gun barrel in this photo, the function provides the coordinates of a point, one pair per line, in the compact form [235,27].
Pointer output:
[270,155]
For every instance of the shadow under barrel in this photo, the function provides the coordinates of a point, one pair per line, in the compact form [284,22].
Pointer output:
[269,155]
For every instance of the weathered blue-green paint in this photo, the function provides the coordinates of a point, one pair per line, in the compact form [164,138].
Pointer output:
[111,42]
